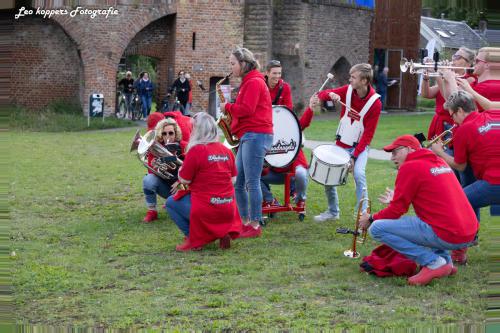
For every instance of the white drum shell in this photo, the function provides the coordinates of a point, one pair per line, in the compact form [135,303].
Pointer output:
[329,165]
[287,138]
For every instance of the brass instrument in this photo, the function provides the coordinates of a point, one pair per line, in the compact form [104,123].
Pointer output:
[224,120]
[437,138]
[147,143]
[416,68]
[352,253]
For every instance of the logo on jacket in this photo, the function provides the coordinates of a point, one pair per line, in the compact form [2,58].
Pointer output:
[440,170]
[487,127]
[218,158]
[220,201]
[282,147]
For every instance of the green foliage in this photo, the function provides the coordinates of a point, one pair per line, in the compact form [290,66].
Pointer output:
[457,10]
[58,117]
[84,258]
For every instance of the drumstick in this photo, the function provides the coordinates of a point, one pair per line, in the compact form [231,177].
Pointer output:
[329,77]
[346,106]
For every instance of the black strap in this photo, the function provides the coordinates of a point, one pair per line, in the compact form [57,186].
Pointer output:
[277,98]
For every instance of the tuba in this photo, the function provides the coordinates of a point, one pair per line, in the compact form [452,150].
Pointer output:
[224,120]
[164,164]
[352,253]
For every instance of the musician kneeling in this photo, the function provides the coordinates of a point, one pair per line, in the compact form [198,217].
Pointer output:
[168,133]
[445,220]
[209,212]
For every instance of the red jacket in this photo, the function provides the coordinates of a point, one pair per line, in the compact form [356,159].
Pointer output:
[285,96]
[477,142]
[425,181]
[252,111]
[369,121]
[489,89]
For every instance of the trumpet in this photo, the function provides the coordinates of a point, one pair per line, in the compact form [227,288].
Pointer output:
[433,69]
[437,138]
[352,253]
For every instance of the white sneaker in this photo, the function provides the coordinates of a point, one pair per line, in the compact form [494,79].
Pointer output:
[326,216]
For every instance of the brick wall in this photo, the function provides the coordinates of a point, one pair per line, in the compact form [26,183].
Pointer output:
[46,63]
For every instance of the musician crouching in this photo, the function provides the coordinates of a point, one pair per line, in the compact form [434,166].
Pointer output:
[168,134]
[477,143]
[358,122]
[444,218]
[208,212]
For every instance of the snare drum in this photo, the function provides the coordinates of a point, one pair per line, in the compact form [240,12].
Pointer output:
[329,165]
[287,138]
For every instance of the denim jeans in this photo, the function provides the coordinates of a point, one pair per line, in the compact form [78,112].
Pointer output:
[128,101]
[179,212]
[482,194]
[359,179]
[413,238]
[300,180]
[249,162]
[146,105]
[153,185]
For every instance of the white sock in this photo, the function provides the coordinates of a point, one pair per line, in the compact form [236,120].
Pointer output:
[440,261]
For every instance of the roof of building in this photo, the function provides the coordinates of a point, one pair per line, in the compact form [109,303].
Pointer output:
[450,34]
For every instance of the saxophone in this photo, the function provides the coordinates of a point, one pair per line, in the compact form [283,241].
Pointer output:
[224,120]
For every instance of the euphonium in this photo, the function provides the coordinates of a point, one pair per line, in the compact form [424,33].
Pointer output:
[352,253]
[147,143]
[224,120]
[437,138]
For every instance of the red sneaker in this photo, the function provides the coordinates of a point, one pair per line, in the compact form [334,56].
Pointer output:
[274,203]
[225,242]
[301,204]
[426,275]
[249,231]
[151,215]
[454,270]
[186,246]
[459,256]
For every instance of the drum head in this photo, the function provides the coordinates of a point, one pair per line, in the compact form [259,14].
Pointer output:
[331,154]
[287,138]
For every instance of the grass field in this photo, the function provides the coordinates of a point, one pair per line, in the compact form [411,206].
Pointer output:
[83,258]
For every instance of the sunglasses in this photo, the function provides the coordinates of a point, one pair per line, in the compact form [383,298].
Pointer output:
[169,133]
[480,60]
[457,57]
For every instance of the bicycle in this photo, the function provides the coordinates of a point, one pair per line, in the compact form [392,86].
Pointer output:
[121,105]
[136,106]
[176,106]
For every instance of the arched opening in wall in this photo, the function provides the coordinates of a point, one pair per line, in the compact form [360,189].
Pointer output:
[340,70]
[151,50]
[133,91]
[47,66]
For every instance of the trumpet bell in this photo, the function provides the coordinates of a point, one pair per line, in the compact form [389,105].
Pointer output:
[351,254]
[147,141]
[403,65]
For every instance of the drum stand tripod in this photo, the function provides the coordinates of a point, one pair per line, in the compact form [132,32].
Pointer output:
[287,206]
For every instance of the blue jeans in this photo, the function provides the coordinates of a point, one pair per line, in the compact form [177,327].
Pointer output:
[146,105]
[153,185]
[179,212]
[359,179]
[413,238]
[300,180]
[249,162]
[482,194]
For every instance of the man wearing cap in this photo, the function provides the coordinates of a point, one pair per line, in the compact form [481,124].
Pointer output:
[444,218]
[127,84]
[477,143]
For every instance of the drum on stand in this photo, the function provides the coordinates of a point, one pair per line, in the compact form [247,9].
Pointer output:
[287,138]
[329,165]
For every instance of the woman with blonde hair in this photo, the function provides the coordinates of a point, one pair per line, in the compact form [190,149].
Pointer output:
[168,134]
[209,211]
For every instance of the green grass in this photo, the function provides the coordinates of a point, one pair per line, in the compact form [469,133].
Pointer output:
[389,127]
[83,258]
[59,117]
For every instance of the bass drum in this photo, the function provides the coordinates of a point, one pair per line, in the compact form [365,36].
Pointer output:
[287,138]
